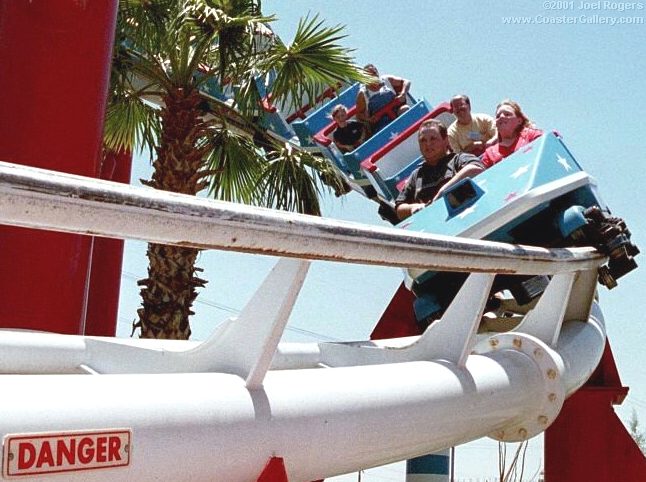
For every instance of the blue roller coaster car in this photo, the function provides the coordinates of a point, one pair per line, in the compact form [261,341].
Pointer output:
[539,196]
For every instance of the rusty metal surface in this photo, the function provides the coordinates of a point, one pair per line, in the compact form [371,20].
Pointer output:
[37,198]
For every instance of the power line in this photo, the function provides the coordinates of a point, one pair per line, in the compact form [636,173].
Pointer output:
[231,309]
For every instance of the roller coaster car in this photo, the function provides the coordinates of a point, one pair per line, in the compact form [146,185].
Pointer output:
[279,118]
[378,166]
[320,117]
[539,196]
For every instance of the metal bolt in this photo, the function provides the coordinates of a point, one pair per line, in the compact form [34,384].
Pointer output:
[10,456]
[494,342]
[552,397]
[551,374]
[518,343]
[543,420]
[126,448]
[538,353]
[522,432]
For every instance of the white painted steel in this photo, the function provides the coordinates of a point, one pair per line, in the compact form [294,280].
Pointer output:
[579,345]
[242,346]
[209,426]
[212,411]
[454,335]
[43,199]
[391,163]
[544,321]
[582,295]
[235,346]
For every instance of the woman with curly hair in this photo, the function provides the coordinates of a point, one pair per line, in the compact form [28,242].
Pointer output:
[515,130]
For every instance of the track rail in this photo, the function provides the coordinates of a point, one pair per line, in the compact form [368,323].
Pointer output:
[37,198]
[241,388]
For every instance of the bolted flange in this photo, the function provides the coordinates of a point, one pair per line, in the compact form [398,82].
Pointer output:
[553,393]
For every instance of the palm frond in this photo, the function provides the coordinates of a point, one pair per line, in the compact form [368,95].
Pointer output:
[233,24]
[314,60]
[248,97]
[130,123]
[233,166]
[326,174]
[141,23]
[288,181]
[152,69]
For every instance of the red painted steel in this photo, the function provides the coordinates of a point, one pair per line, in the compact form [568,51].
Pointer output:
[588,441]
[274,471]
[398,320]
[107,260]
[56,62]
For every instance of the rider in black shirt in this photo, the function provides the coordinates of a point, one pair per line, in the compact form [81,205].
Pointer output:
[441,168]
[349,134]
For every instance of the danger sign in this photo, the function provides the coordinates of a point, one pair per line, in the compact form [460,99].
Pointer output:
[32,454]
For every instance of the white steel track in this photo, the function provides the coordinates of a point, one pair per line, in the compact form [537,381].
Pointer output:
[219,410]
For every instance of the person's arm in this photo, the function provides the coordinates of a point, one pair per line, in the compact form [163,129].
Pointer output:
[362,137]
[470,170]
[493,141]
[486,159]
[344,147]
[401,86]
[405,210]
[405,204]
[476,148]
[362,107]
[487,128]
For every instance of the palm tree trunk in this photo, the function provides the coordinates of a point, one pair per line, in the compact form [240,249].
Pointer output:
[170,289]
[168,292]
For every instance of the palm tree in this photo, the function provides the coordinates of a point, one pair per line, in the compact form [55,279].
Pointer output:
[636,433]
[165,52]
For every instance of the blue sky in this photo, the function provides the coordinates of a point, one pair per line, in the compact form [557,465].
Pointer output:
[585,79]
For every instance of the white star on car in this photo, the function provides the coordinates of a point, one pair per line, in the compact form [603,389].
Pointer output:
[467,211]
[520,171]
[563,162]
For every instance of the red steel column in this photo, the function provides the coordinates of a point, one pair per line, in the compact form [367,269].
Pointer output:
[588,441]
[107,260]
[398,320]
[274,471]
[55,57]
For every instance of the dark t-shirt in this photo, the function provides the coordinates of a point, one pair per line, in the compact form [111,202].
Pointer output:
[350,134]
[426,180]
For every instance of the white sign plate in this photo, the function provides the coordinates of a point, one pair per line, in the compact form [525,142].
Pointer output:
[54,452]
